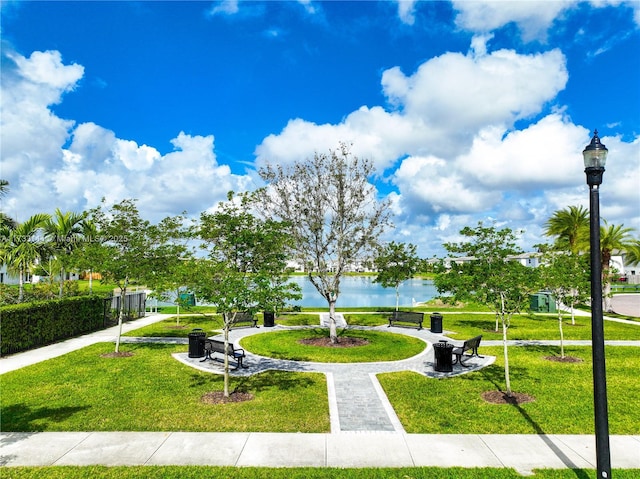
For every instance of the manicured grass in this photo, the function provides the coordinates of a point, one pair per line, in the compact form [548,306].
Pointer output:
[199,472]
[151,391]
[381,346]
[462,326]
[171,327]
[563,395]
[529,326]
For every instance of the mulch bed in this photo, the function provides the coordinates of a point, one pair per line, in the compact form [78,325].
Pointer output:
[217,397]
[566,359]
[499,397]
[345,342]
[121,354]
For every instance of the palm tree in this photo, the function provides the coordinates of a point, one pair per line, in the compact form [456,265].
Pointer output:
[632,253]
[90,239]
[64,232]
[22,247]
[612,238]
[567,225]
[5,220]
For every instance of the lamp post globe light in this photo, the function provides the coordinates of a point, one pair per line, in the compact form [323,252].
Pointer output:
[595,157]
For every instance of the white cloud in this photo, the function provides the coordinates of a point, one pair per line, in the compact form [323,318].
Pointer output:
[134,157]
[41,166]
[546,154]
[30,134]
[533,18]
[430,185]
[439,109]
[224,7]
[374,132]
[457,95]
[406,11]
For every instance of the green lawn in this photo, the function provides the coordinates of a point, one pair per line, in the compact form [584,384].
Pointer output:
[152,391]
[172,327]
[457,325]
[382,346]
[563,395]
[199,472]
[530,326]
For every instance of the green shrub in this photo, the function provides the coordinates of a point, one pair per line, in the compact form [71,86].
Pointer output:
[27,325]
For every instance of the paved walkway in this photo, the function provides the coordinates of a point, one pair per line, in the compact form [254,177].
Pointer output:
[365,431]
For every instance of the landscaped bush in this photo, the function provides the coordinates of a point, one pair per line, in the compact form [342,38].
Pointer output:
[27,325]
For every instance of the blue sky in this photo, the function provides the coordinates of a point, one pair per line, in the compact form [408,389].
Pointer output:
[471,110]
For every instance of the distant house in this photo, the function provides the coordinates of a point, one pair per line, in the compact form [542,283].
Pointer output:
[8,278]
[531,260]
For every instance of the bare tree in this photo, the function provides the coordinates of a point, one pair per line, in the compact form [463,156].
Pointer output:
[333,213]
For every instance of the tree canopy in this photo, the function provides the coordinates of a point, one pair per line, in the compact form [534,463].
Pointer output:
[333,214]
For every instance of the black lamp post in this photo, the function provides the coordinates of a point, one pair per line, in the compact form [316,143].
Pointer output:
[595,157]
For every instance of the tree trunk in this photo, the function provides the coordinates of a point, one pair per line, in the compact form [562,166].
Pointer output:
[397,297]
[573,304]
[90,282]
[21,286]
[227,325]
[123,295]
[61,288]
[561,333]
[507,379]
[497,322]
[606,293]
[333,333]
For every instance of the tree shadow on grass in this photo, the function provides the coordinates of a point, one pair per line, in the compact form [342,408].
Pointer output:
[495,375]
[23,418]
[281,380]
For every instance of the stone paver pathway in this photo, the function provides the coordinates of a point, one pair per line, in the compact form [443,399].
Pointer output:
[356,400]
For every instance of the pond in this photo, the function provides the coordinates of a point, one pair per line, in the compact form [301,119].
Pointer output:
[355,292]
[361,291]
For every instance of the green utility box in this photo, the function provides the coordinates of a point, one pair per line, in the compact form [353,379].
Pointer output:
[188,299]
[542,303]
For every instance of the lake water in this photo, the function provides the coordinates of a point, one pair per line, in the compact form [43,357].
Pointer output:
[361,291]
[357,291]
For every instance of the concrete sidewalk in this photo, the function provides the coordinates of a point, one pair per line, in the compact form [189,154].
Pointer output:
[381,449]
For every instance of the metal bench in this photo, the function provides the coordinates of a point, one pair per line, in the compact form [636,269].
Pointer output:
[469,345]
[212,346]
[406,317]
[243,317]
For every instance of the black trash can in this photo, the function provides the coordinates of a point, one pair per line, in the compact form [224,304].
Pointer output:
[436,323]
[269,319]
[196,343]
[443,353]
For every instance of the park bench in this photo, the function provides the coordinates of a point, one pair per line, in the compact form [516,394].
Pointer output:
[406,317]
[212,346]
[243,317]
[469,345]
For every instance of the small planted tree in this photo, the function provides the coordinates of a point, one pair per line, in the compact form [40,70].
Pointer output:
[489,277]
[396,263]
[243,251]
[566,276]
[333,215]
[168,283]
[129,248]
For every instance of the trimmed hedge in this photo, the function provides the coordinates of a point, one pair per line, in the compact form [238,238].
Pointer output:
[27,325]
